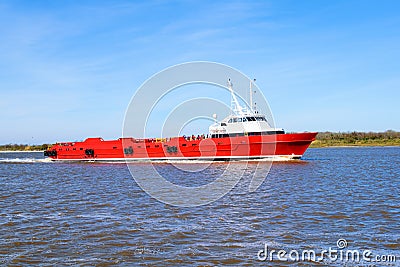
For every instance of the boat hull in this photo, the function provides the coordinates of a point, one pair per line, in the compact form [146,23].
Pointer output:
[255,147]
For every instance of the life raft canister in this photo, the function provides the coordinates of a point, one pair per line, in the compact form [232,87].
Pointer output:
[89,152]
[172,149]
[50,153]
[128,150]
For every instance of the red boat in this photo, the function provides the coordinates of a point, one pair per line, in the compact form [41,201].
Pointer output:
[245,134]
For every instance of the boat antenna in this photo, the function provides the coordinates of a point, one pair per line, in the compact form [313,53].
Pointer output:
[255,104]
[235,106]
[251,96]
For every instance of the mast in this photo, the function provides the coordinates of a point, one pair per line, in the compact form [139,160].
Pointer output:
[252,109]
[235,106]
[251,97]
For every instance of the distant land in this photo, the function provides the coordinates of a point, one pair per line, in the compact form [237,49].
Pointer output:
[329,139]
[24,147]
[324,139]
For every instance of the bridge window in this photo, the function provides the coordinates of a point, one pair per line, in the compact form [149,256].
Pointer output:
[260,119]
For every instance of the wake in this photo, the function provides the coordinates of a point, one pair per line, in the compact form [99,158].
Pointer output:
[24,160]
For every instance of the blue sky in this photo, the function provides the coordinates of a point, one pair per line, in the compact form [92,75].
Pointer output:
[69,68]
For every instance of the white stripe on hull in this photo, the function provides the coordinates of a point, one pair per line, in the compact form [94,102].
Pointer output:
[220,158]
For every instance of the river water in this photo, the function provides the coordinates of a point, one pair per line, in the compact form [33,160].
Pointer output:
[92,214]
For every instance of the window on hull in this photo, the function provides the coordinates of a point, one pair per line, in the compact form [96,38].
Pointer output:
[219,135]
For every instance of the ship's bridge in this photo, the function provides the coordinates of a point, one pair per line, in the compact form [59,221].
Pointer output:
[246,124]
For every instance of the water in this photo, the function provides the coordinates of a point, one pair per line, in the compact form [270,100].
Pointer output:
[95,214]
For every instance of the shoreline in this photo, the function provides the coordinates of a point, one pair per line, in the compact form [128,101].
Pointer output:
[353,146]
[319,144]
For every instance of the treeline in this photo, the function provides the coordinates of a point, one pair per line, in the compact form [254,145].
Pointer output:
[24,147]
[388,138]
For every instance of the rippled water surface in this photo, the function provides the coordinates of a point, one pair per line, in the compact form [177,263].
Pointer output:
[56,214]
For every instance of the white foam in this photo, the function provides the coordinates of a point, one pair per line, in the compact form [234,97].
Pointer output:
[19,151]
[24,160]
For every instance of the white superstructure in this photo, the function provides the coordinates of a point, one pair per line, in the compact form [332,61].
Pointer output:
[242,121]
